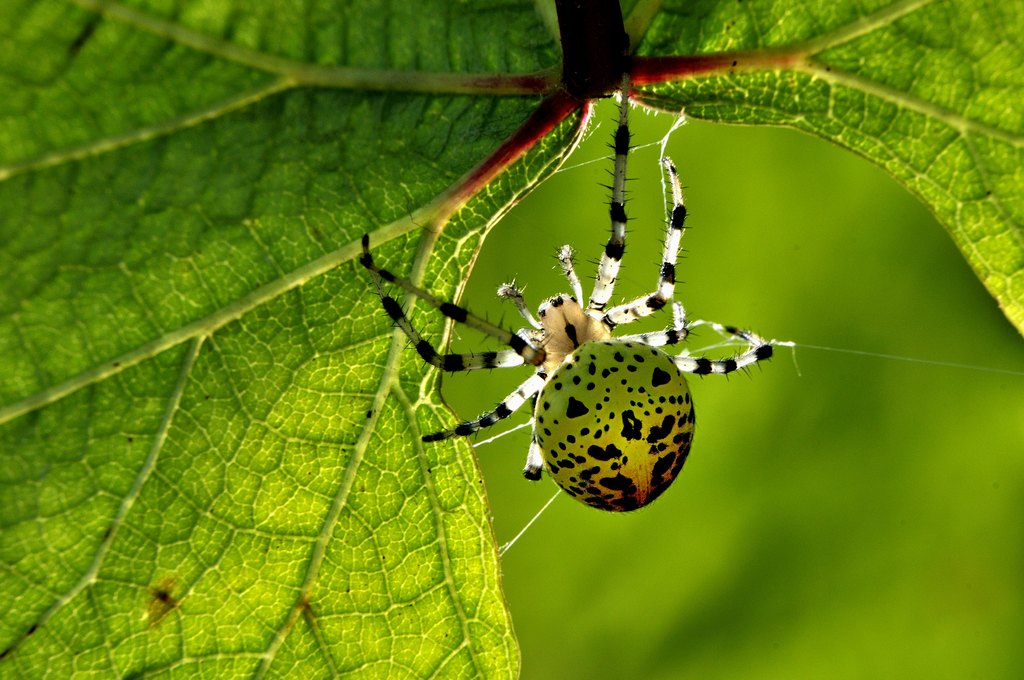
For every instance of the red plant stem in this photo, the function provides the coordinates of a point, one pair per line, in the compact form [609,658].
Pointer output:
[559,105]
[648,70]
[502,83]
[552,110]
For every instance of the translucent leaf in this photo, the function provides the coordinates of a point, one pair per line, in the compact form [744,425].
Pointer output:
[210,461]
[930,90]
[209,432]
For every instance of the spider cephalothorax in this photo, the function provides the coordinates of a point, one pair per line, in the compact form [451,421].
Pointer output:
[613,419]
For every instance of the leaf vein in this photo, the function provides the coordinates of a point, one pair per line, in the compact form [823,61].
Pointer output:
[958,122]
[316,558]
[148,466]
[207,325]
[295,72]
[145,133]
[866,24]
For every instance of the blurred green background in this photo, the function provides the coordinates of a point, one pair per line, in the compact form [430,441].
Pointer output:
[852,517]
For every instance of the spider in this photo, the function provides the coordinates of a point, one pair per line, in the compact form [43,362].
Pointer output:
[613,417]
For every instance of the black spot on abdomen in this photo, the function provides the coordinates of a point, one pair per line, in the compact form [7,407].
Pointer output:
[660,377]
[576,408]
[606,453]
[631,426]
[661,467]
[619,482]
[659,432]
[626,503]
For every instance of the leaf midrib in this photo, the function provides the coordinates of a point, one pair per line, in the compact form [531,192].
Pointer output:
[209,324]
[295,73]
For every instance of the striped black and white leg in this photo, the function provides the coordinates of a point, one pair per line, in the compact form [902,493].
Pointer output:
[507,407]
[446,362]
[670,336]
[521,351]
[646,305]
[758,349]
[534,462]
[608,268]
[566,260]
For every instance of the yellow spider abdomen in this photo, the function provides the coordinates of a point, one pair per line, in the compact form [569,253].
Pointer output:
[615,424]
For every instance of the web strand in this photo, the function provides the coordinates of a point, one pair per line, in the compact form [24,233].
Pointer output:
[726,342]
[504,549]
[913,360]
[778,343]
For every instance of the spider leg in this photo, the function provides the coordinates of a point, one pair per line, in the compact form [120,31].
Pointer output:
[670,336]
[446,362]
[503,410]
[510,291]
[646,305]
[531,335]
[758,349]
[608,269]
[565,258]
[534,461]
[527,353]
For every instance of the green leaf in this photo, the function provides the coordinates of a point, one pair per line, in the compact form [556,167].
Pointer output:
[209,432]
[930,90]
[210,461]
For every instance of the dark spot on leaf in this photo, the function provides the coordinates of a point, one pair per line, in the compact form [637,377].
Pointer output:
[83,36]
[161,601]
